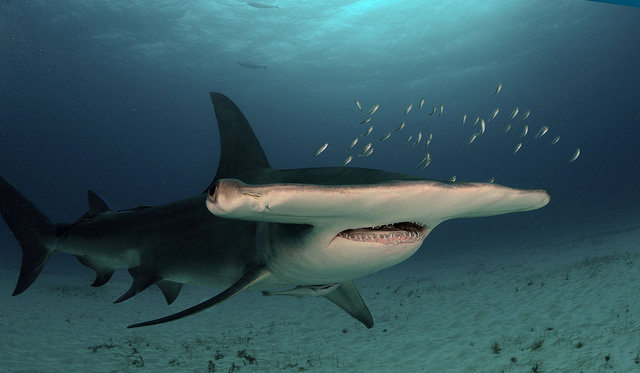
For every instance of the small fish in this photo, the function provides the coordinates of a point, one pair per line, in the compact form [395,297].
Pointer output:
[514,113]
[491,180]
[515,150]
[346,161]
[263,6]
[477,120]
[251,65]
[472,138]
[464,119]
[321,149]
[419,138]
[408,139]
[355,141]
[433,111]
[542,131]
[373,109]
[525,130]
[368,153]
[366,120]
[428,141]
[358,105]
[400,127]
[506,128]
[498,89]
[575,155]
[526,115]
[494,113]
[441,110]
[424,159]
[427,163]
[421,103]
[386,136]
[452,179]
[366,149]
[408,109]
[555,140]
[368,131]
[482,126]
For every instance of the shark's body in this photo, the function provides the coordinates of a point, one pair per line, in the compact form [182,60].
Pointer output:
[314,229]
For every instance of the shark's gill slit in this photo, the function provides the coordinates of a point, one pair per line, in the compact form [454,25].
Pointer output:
[395,233]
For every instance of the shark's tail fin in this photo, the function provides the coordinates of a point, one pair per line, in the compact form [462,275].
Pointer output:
[35,233]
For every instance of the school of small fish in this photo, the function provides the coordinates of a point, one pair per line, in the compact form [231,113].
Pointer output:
[415,138]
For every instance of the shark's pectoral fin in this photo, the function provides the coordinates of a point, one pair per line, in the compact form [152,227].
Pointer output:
[170,289]
[248,279]
[347,297]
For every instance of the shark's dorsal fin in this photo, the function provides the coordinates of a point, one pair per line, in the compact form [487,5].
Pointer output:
[96,204]
[346,296]
[249,278]
[96,207]
[240,149]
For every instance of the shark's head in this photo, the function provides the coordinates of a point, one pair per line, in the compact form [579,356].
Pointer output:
[329,225]
[326,234]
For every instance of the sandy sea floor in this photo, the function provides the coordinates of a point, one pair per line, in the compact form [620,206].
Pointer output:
[568,307]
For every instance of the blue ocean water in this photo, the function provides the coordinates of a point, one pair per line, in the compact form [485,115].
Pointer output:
[113,97]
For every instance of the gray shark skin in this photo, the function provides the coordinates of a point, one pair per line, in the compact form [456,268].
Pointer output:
[313,230]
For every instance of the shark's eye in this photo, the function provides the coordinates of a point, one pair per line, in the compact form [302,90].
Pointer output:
[212,190]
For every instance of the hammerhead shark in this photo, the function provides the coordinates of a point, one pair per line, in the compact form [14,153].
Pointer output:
[298,232]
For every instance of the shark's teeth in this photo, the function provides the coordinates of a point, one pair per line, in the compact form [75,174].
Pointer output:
[389,234]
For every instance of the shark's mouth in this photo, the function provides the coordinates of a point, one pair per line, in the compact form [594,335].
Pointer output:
[388,234]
